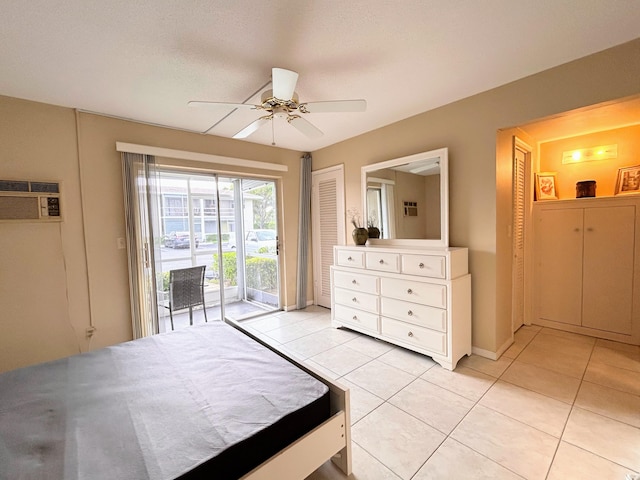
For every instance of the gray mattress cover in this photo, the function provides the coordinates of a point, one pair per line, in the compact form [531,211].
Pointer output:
[152,408]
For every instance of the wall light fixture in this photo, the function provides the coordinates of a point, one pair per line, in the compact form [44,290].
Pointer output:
[602,152]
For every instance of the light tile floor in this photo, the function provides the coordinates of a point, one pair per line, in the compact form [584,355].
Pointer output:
[555,406]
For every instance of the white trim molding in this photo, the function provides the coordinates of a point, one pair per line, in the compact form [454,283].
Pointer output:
[199,157]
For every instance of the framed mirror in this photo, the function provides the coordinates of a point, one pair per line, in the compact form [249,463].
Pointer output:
[407,199]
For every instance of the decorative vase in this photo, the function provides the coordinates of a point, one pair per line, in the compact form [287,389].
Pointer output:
[360,236]
[373,232]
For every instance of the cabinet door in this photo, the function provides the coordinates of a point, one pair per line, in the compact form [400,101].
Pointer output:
[558,265]
[608,268]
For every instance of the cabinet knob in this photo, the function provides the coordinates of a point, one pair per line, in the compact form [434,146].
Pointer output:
[409,291]
[354,281]
[354,299]
[576,229]
[410,313]
[381,261]
[421,265]
[410,334]
[590,229]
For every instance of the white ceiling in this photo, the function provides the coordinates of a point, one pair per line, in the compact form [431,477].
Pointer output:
[145,59]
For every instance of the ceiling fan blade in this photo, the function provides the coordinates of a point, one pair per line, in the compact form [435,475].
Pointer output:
[252,127]
[284,83]
[220,104]
[305,127]
[335,106]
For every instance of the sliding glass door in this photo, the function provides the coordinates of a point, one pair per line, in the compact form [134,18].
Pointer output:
[185,219]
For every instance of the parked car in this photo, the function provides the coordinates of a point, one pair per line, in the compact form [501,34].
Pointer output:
[178,240]
[258,241]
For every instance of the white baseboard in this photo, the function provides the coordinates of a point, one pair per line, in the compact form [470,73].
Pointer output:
[493,355]
[289,308]
[484,353]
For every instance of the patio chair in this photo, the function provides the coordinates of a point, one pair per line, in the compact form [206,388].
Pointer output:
[186,290]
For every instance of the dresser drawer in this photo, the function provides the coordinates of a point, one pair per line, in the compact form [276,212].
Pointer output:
[430,294]
[356,281]
[350,258]
[359,300]
[422,315]
[383,261]
[424,265]
[357,318]
[425,338]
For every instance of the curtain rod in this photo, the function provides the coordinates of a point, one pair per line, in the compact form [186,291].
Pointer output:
[199,157]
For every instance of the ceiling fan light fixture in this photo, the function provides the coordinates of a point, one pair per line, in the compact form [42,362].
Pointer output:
[284,83]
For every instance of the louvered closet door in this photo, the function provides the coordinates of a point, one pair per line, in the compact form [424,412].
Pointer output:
[518,237]
[327,211]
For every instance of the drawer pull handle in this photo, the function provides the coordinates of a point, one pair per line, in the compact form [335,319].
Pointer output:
[409,291]
[410,334]
[381,261]
[354,299]
[421,265]
[354,281]
[410,313]
[350,259]
[355,318]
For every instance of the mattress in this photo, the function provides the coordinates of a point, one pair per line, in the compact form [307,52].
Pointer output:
[202,402]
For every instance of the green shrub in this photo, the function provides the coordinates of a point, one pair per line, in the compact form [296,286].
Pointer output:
[165,281]
[262,273]
[229,267]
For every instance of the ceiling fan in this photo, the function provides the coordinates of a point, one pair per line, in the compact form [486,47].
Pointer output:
[282,102]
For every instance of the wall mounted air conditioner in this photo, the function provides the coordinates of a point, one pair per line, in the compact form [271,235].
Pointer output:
[23,200]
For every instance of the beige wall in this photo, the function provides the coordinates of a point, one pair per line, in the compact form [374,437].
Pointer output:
[54,278]
[57,278]
[480,182]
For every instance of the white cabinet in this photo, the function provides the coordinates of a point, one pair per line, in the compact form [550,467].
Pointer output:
[586,264]
[416,298]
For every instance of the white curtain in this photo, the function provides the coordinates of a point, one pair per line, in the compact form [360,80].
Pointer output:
[138,174]
[304,230]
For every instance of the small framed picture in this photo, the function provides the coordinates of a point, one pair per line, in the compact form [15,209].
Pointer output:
[546,186]
[628,180]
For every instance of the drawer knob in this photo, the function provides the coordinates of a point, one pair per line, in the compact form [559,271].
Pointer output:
[350,259]
[354,299]
[381,261]
[354,281]
[421,265]
[355,318]
[410,313]
[410,334]
[409,291]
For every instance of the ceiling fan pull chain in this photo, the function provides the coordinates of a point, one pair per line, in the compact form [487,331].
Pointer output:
[273,135]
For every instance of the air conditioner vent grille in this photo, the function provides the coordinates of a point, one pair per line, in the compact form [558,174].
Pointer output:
[13,186]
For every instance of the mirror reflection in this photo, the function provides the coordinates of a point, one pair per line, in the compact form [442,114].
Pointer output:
[406,198]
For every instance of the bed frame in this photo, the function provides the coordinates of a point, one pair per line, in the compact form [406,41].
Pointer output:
[331,439]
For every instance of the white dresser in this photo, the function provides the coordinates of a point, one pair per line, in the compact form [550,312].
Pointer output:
[416,298]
